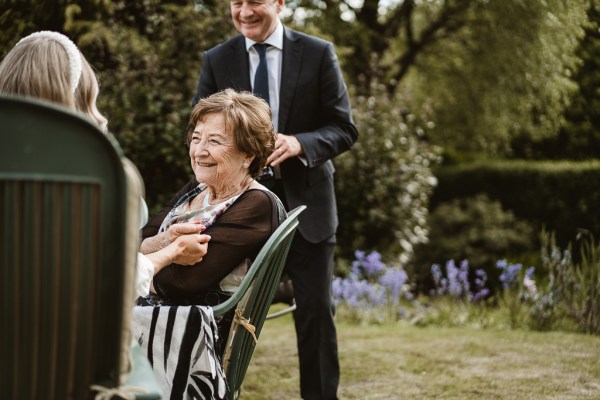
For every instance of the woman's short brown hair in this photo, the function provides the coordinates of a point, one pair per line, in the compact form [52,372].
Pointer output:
[247,116]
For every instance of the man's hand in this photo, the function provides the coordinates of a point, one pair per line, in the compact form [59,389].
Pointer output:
[286,146]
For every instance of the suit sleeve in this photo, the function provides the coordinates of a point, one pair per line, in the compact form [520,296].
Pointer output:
[336,133]
[207,84]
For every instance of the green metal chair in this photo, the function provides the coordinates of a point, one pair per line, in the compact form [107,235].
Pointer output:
[69,207]
[252,301]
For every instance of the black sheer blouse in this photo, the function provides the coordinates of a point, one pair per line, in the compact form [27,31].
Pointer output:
[236,235]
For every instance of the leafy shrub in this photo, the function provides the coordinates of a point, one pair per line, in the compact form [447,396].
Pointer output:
[383,184]
[573,289]
[518,292]
[148,55]
[475,229]
[560,196]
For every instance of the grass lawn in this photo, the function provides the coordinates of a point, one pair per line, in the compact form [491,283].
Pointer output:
[401,361]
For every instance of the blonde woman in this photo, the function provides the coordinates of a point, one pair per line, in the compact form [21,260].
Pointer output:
[48,65]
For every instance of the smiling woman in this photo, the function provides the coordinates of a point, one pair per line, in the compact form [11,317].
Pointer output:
[230,136]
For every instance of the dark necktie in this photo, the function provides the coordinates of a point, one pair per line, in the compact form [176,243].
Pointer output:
[261,77]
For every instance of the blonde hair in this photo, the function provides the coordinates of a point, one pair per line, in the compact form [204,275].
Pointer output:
[40,66]
[87,93]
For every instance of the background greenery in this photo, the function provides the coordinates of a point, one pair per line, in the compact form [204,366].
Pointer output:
[434,83]
[439,89]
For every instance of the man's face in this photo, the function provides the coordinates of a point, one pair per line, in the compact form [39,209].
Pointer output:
[256,19]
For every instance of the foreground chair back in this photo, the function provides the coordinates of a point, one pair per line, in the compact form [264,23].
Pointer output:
[252,301]
[66,260]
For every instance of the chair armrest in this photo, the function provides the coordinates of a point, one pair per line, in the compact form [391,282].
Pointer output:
[290,223]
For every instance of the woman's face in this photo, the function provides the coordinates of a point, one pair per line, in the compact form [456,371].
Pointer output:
[214,155]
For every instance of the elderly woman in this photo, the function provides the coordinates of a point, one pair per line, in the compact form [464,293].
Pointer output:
[230,136]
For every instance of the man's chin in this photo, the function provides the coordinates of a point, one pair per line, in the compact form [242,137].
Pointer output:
[251,33]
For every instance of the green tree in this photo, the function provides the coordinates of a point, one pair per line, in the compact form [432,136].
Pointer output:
[147,56]
[579,137]
[466,74]
[486,70]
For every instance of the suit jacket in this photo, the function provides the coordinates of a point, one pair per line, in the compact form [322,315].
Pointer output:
[314,106]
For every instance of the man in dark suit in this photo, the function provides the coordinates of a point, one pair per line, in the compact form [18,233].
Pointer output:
[311,110]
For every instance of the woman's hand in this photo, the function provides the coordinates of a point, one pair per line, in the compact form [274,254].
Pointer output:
[164,239]
[185,250]
[189,249]
[175,231]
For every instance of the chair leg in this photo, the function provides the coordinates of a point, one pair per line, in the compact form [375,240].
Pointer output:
[282,312]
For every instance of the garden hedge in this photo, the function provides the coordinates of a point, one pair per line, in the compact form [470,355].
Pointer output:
[563,196]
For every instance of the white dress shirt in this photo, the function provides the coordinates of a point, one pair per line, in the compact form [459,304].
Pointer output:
[274,60]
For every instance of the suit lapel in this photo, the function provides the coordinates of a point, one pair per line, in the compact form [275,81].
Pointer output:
[290,69]
[239,65]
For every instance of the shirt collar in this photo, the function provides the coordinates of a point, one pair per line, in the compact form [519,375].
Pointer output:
[275,40]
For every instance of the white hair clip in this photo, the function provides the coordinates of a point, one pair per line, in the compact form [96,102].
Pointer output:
[75,64]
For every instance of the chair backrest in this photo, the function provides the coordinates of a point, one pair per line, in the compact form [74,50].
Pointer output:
[63,252]
[253,299]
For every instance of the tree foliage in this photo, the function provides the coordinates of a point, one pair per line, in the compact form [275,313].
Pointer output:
[488,70]
[469,75]
[579,137]
[385,182]
[151,56]
[476,229]
[147,56]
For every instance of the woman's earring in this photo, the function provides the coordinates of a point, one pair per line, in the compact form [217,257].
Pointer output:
[245,164]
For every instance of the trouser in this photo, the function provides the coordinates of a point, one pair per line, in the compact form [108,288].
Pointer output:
[310,267]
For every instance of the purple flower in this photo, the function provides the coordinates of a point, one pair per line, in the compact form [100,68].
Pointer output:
[337,290]
[436,273]
[480,295]
[510,273]
[529,271]
[458,278]
[463,276]
[481,292]
[357,293]
[394,280]
[370,264]
[369,284]
[481,274]
[457,283]
[454,284]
